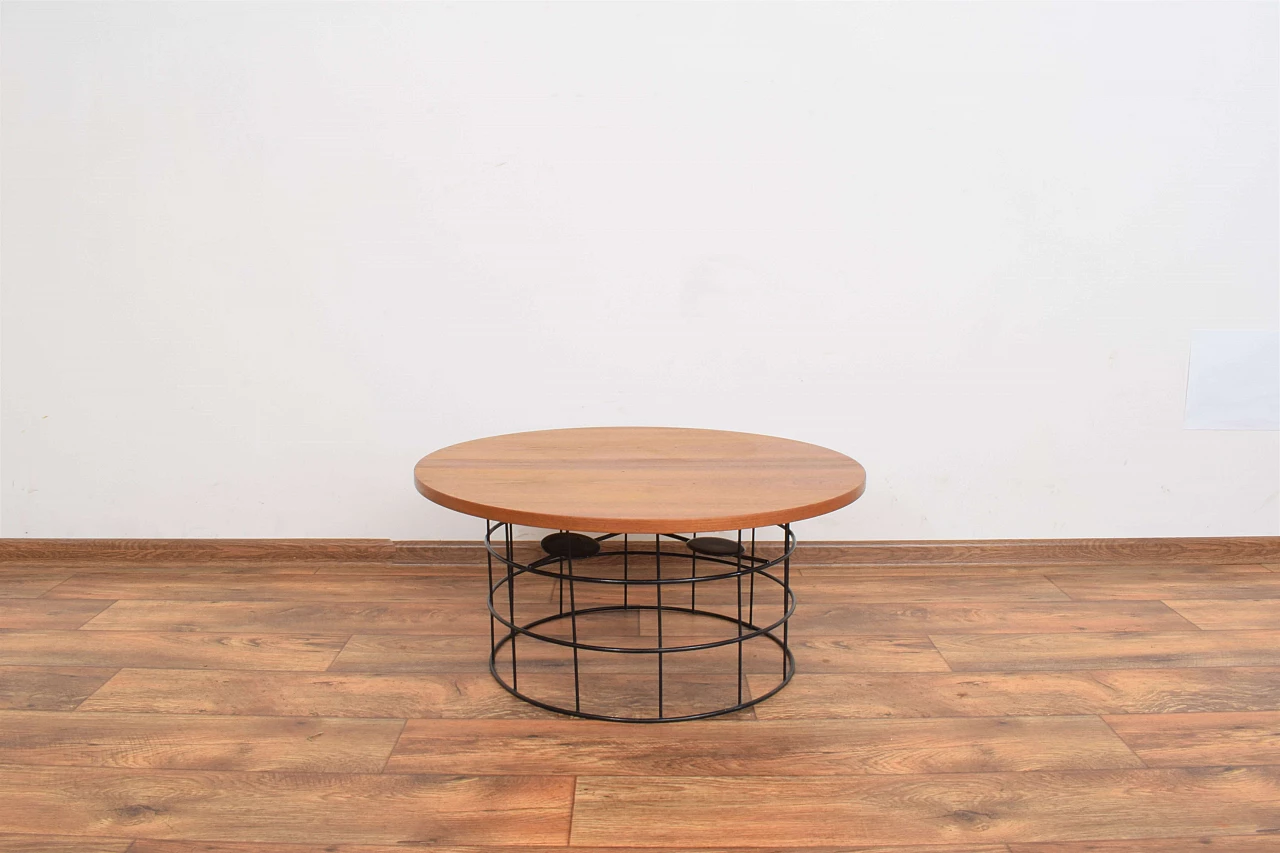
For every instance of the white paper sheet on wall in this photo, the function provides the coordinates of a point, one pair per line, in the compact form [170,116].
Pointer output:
[1234,380]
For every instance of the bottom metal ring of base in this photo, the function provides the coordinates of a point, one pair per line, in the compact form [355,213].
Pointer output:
[789,666]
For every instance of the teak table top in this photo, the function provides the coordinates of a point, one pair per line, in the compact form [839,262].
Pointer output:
[640,479]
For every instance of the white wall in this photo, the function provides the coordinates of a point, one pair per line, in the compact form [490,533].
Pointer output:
[257,259]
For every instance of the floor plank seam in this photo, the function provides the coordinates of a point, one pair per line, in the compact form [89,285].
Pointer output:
[1180,614]
[950,665]
[110,604]
[329,666]
[395,743]
[1127,745]
[100,687]
[1068,595]
[45,594]
[938,651]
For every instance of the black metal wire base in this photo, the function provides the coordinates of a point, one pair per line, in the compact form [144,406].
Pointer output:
[742,571]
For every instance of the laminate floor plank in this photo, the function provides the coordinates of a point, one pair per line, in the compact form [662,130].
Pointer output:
[10,843]
[991,807]
[18,614]
[404,653]
[936,588]
[1160,585]
[222,567]
[1108,650]
[987,694]
[818,571]
[1074,551]
[763,748]
[842,589]
[49,688]
[211,586]
[157,741]
[1260,843]
[1230,614]
[1191,740]
[304,694]
[161,649]
[475,572]
[863,653]
[372,695]
[316,808]
[29,583]
[387,653]
[294,617]
[849,590]
[981,617]
[469,652]
[850,653]
[150,846]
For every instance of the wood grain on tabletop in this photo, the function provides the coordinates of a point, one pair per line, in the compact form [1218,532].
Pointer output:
[622,479]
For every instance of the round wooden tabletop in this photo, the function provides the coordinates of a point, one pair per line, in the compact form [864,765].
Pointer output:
[640,479]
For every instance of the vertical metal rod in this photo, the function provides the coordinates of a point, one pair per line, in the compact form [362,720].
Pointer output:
[626,564]
[573,622]
[488,556]
[693,587]
[786,591]
[511,604]
[738,559]
[657,566]
[751,604]
[560,580]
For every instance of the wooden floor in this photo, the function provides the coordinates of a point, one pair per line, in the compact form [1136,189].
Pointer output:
[290,707]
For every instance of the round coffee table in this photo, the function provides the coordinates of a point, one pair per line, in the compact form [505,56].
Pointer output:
[602,606]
